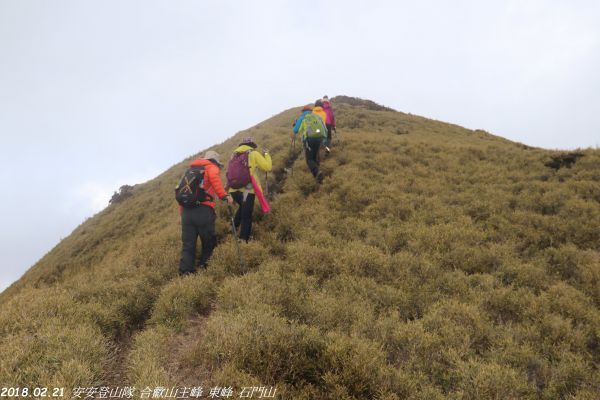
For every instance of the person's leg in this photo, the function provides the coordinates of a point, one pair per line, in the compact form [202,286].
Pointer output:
[206,229]
[316,148]
[247,209]
[311,151]
[328,142]
[189,236]
[238,197]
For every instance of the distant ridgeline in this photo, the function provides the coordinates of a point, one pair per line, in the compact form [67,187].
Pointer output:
[433,262]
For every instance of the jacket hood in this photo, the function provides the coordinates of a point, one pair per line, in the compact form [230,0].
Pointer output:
[317,109]
[243,148]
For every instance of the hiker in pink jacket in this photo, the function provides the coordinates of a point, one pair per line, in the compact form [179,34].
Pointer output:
[330,121]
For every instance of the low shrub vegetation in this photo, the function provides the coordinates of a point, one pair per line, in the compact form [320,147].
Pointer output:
[433,262]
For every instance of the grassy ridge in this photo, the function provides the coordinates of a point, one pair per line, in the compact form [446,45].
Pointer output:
[434,262]
[64,320]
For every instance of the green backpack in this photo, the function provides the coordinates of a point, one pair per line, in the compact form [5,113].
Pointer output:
[313,126]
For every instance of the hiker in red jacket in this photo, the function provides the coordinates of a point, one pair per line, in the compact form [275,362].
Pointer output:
[329,120]
[200,220]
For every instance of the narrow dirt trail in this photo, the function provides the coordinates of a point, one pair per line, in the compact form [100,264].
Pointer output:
[115,371]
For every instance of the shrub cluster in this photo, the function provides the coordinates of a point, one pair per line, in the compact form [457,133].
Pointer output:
[433,262]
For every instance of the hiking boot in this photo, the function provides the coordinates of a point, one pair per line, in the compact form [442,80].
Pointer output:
[319,177]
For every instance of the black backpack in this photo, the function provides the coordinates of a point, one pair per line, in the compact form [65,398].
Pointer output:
[190,191]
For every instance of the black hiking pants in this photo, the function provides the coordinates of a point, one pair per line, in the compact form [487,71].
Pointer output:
[243,215]
[311,153]
[328,142]
[197,221]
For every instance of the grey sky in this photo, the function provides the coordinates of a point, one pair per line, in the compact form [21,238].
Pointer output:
[95,94]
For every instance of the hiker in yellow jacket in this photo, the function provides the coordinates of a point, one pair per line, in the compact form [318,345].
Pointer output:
[245,159]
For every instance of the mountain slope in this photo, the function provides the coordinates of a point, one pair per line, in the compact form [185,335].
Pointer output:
[433,262]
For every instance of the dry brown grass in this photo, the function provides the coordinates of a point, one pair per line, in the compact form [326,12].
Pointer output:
[433,262]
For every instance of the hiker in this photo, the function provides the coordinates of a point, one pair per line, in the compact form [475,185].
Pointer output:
[318,110]
[198,216]
[313,133]
[329,120]
[245,162]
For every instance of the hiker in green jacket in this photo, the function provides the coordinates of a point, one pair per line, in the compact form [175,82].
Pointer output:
[314,133]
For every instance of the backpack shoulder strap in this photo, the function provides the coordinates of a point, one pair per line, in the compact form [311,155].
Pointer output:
[249,152]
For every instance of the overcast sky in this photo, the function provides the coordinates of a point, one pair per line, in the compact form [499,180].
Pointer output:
[95,94]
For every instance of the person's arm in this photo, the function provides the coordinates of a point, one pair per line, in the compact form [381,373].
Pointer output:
[263,162]
[298,123]
[301,129]
[215,181]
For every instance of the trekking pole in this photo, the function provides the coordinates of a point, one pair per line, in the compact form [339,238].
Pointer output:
[293,153]
[265,151]
[236,239]
[266,183]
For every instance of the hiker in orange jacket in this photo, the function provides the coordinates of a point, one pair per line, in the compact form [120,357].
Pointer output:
[318,109]
[200,220]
